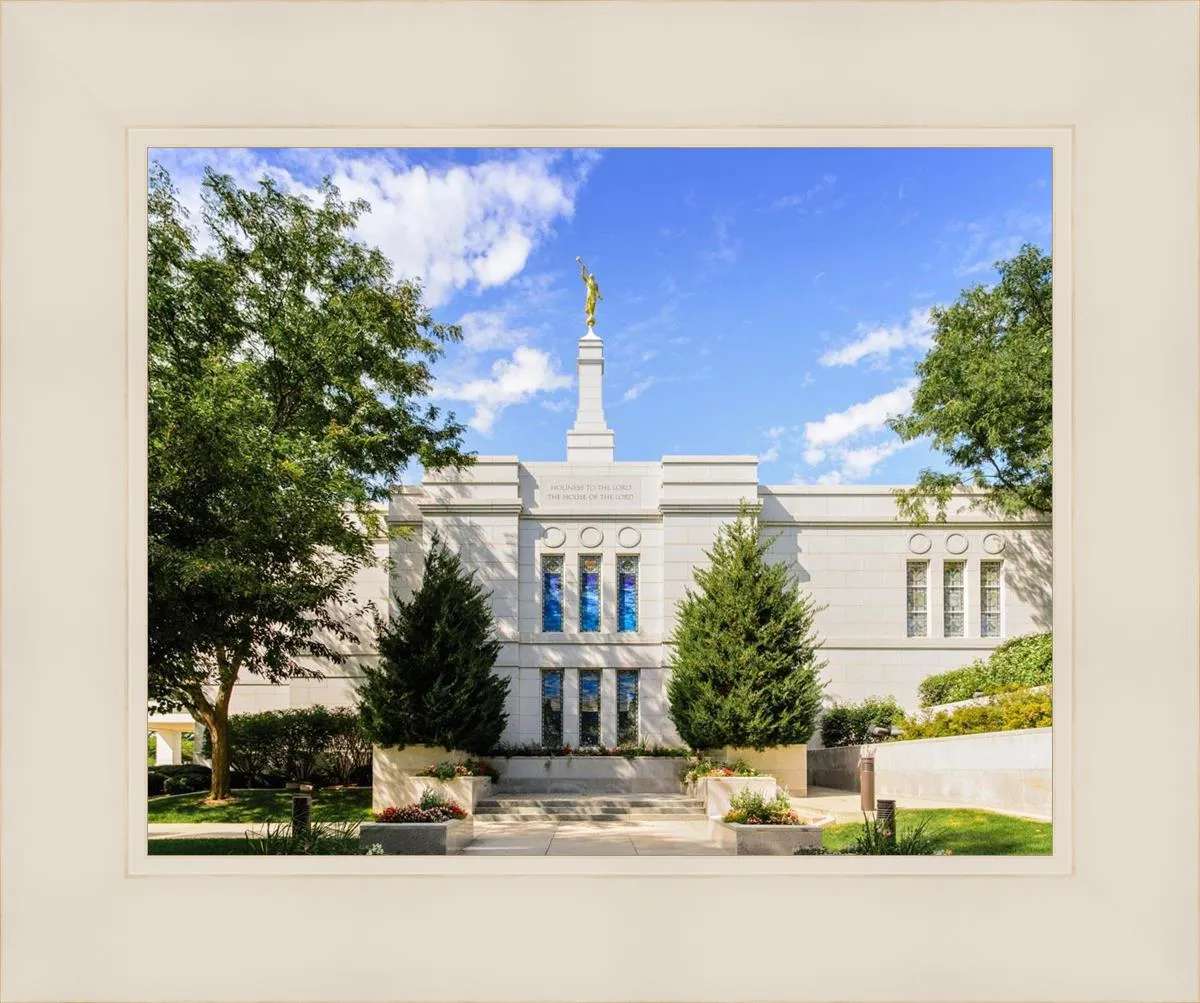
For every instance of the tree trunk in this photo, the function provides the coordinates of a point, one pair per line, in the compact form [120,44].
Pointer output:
[219,727]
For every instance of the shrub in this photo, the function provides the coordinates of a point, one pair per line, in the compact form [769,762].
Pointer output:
[1020,662]
[1010,711]
[434,683]
[303,744]
[320,838]
[873,840]
[851,724]
[749,807]
[703,767]
[180,778]
[469,768]
[744,665]
[509,749]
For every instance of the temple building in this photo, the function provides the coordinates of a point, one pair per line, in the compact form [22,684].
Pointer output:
[586,559]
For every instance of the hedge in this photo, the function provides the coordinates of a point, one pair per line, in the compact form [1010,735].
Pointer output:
[180,778]
[1023,661]
[1006,712]
[851,724]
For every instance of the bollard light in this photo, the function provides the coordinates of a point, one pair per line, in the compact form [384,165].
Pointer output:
[866,782]
[885,818]
[301,812]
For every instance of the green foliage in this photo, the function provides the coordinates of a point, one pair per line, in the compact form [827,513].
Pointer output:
[702,767]
[184,778]
[434,683]
[329,804]
[468,768]
[851,724]
[286,378]
[319,839]
[272,747]
[744,666]
[1008,711]
[1022,661]
[509,749]
[984,394]
[967,831]
[911,840]
[749,807]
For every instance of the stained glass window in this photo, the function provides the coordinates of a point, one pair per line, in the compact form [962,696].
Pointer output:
[953,598]
[917,604]
[989,598]
[589,707]
[552,598]
[627,706]
[552,708]
[589,592]
[627,593]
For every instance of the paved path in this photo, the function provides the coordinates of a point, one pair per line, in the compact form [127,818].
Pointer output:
[607,839]
[844,805]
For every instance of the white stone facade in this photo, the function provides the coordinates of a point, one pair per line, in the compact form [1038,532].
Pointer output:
[846,545]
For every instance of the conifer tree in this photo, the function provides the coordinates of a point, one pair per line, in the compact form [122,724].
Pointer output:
[434,683]
[744,666]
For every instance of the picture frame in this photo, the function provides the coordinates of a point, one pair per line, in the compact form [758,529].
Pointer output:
[85,914]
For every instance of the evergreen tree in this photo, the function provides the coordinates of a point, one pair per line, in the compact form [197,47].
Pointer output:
[744,667]
[434,683]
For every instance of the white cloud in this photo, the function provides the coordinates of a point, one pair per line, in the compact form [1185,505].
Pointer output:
[483,330]
[450,226]
[771,455]
[997,237]
[638,389]
[776,432]
[795,201]
[867,416]
[529,372]
[880,342]
[725,246]
[860,463]
[814,456]
[833,477]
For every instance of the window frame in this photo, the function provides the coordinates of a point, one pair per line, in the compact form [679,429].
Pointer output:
[998,588]
[637,592]
[946,590]
[599,559]
[562,685]
[562,590]
[909,589]
[637,703]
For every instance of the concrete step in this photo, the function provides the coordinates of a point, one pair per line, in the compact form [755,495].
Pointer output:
[588,807]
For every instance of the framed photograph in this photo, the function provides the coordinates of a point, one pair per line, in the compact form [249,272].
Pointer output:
[570,477]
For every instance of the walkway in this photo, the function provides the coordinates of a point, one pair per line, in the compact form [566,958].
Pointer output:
[581,839]
[844,805]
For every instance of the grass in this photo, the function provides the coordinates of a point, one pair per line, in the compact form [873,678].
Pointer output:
[197,847]
[963,831]
[331,804]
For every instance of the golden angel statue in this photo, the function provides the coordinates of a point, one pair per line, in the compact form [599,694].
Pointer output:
[593,292]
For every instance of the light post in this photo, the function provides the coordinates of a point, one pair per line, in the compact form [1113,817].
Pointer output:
[866,766]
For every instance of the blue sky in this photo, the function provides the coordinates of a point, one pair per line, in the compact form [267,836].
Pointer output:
[765,301]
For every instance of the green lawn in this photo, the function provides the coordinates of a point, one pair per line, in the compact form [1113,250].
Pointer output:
[962,831]
[346,804]
[197,847]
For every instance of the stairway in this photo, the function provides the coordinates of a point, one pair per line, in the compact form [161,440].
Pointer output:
[589,808]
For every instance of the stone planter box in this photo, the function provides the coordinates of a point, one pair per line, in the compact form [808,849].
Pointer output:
[418,837]
[718,792]
[588,774]
[788,764]
[405,789]
[763,840]
[392,776]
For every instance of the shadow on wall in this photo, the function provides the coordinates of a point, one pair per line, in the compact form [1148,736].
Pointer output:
[1031,574]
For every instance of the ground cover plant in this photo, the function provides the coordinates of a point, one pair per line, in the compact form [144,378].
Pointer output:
[1011,711]
[449,771]
[704,767]
[506,750]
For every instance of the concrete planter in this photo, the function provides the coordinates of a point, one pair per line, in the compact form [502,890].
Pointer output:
[763,840]
[405,789]
[392,772]
[718,792]
[418,837]
[588,774]
[788,764]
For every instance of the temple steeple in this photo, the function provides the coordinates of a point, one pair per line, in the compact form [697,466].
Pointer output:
[590,440]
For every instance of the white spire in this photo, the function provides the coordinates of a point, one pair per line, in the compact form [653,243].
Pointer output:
[590,440]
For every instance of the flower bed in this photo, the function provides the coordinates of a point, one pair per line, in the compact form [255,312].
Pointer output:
[760,826]
[449,770]
[506,751]
[434,825]
[701,768]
